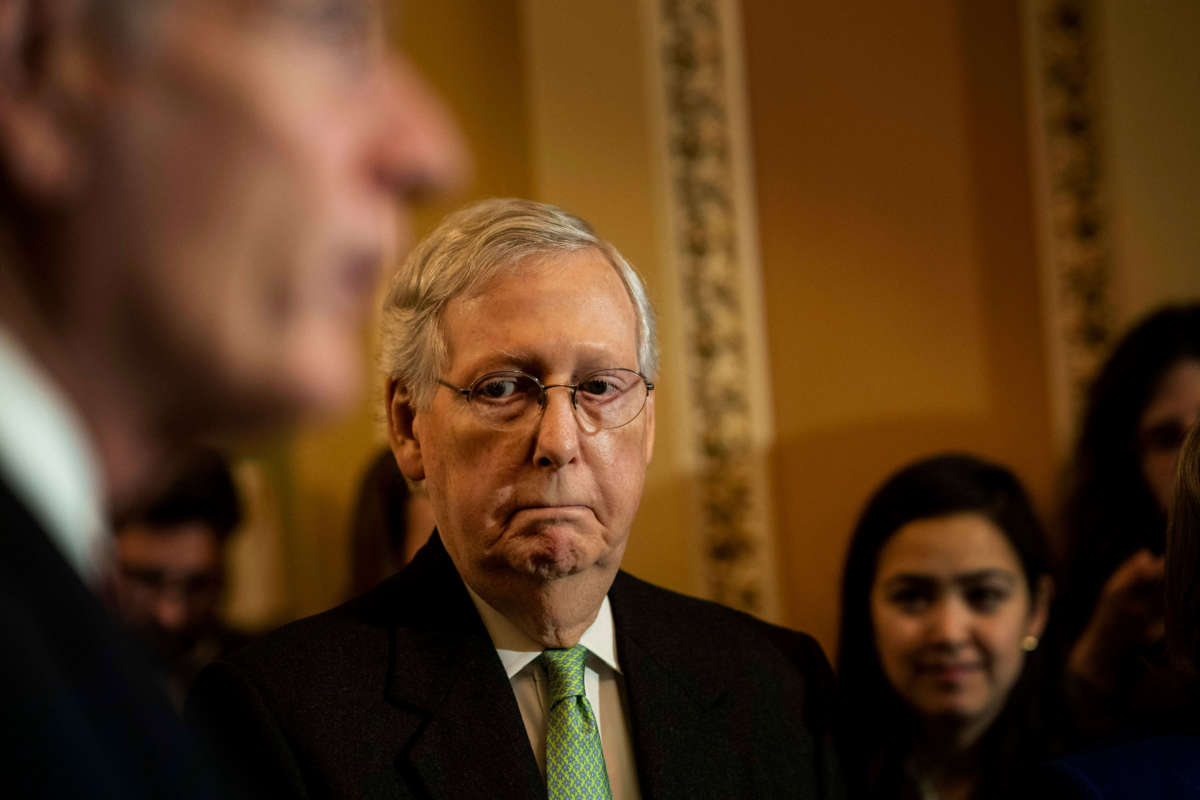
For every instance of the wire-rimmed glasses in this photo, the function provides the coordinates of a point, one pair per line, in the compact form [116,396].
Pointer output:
[602,400]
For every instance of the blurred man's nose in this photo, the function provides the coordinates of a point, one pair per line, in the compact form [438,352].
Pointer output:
[170,610]
[557,431]
[419,149]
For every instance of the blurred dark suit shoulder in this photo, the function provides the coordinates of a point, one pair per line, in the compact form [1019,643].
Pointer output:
[401,693]
[82,713]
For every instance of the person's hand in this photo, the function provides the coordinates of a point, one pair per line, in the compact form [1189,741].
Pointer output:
[1128,614]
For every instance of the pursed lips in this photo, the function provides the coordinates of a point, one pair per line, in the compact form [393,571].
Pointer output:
[551,510]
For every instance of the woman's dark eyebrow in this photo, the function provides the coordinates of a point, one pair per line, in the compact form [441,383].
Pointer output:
[975,576]
[910,579]
[982,575]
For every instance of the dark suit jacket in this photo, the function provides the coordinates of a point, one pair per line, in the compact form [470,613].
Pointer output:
[401,693]
[1157,768]
[80,713]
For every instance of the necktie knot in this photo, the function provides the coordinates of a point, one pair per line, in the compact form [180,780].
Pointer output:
[574,756]
[565,671]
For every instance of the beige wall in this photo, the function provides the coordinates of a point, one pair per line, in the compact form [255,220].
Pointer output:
[898,257]
[593,154]
[1151,119]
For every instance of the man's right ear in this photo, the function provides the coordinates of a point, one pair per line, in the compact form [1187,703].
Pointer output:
[44,79]
[402,435]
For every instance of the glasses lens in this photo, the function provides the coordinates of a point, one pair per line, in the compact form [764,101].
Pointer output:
[504,398]
[610,398]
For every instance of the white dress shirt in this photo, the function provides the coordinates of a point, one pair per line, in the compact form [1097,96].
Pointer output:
[602,683]
[47,460]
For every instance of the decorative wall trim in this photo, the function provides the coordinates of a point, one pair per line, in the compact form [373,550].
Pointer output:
[1063,59]
[697,62]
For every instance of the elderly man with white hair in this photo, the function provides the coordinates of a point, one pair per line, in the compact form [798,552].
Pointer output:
[513,658]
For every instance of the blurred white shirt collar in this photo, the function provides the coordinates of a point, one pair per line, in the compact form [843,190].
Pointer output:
[47,459]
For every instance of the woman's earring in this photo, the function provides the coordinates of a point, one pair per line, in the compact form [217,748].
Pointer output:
[1029,643]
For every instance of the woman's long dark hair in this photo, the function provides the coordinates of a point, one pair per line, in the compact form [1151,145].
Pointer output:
[878,725]
[1183,558]
[1110,511]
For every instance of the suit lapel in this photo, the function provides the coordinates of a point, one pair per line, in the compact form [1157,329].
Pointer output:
[673,712]
[85,715]
[465,736]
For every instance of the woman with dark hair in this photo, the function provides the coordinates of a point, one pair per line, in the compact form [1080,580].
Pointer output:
[391,522]
[1183,560]
[944,595]
[1163,766]
[1141,404]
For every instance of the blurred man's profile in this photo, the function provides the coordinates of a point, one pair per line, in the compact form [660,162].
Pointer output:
[196,199]
[170,571]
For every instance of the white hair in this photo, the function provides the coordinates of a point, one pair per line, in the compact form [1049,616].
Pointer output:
[468,249]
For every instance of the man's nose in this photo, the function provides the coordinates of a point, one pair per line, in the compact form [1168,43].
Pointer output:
[418,147]
[557,431]
[170,610]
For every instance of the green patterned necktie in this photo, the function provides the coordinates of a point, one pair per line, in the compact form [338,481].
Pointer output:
[574,761]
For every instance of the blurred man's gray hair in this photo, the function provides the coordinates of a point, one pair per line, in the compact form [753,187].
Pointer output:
[468,249]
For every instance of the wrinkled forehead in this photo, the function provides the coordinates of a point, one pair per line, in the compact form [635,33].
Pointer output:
[538,300]
[576,262]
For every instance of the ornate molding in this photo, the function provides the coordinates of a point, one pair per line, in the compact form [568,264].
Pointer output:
[1064,69]
[713,250]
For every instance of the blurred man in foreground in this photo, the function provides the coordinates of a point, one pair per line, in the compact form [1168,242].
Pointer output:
[170,571]
[196,197]
[512,658]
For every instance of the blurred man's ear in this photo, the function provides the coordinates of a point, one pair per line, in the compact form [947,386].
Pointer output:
[43,68]
[403,438]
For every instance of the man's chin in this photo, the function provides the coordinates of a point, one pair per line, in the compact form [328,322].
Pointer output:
[552,552]
[549,565]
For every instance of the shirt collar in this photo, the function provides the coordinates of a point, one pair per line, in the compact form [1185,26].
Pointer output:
[47,458]
[517,650]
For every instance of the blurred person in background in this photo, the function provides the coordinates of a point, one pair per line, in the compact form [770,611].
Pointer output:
[1142,402]
[196,198]
[391,522]
[1165,766]
[169,577]
[944,597]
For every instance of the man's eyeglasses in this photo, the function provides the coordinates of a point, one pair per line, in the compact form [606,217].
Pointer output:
[602,400]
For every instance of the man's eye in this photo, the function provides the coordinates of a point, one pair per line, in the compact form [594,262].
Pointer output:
[497,389]
[598,387]
[344,25]
[605,385]
[336,17]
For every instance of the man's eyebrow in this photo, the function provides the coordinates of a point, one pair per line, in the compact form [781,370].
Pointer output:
[506,359]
